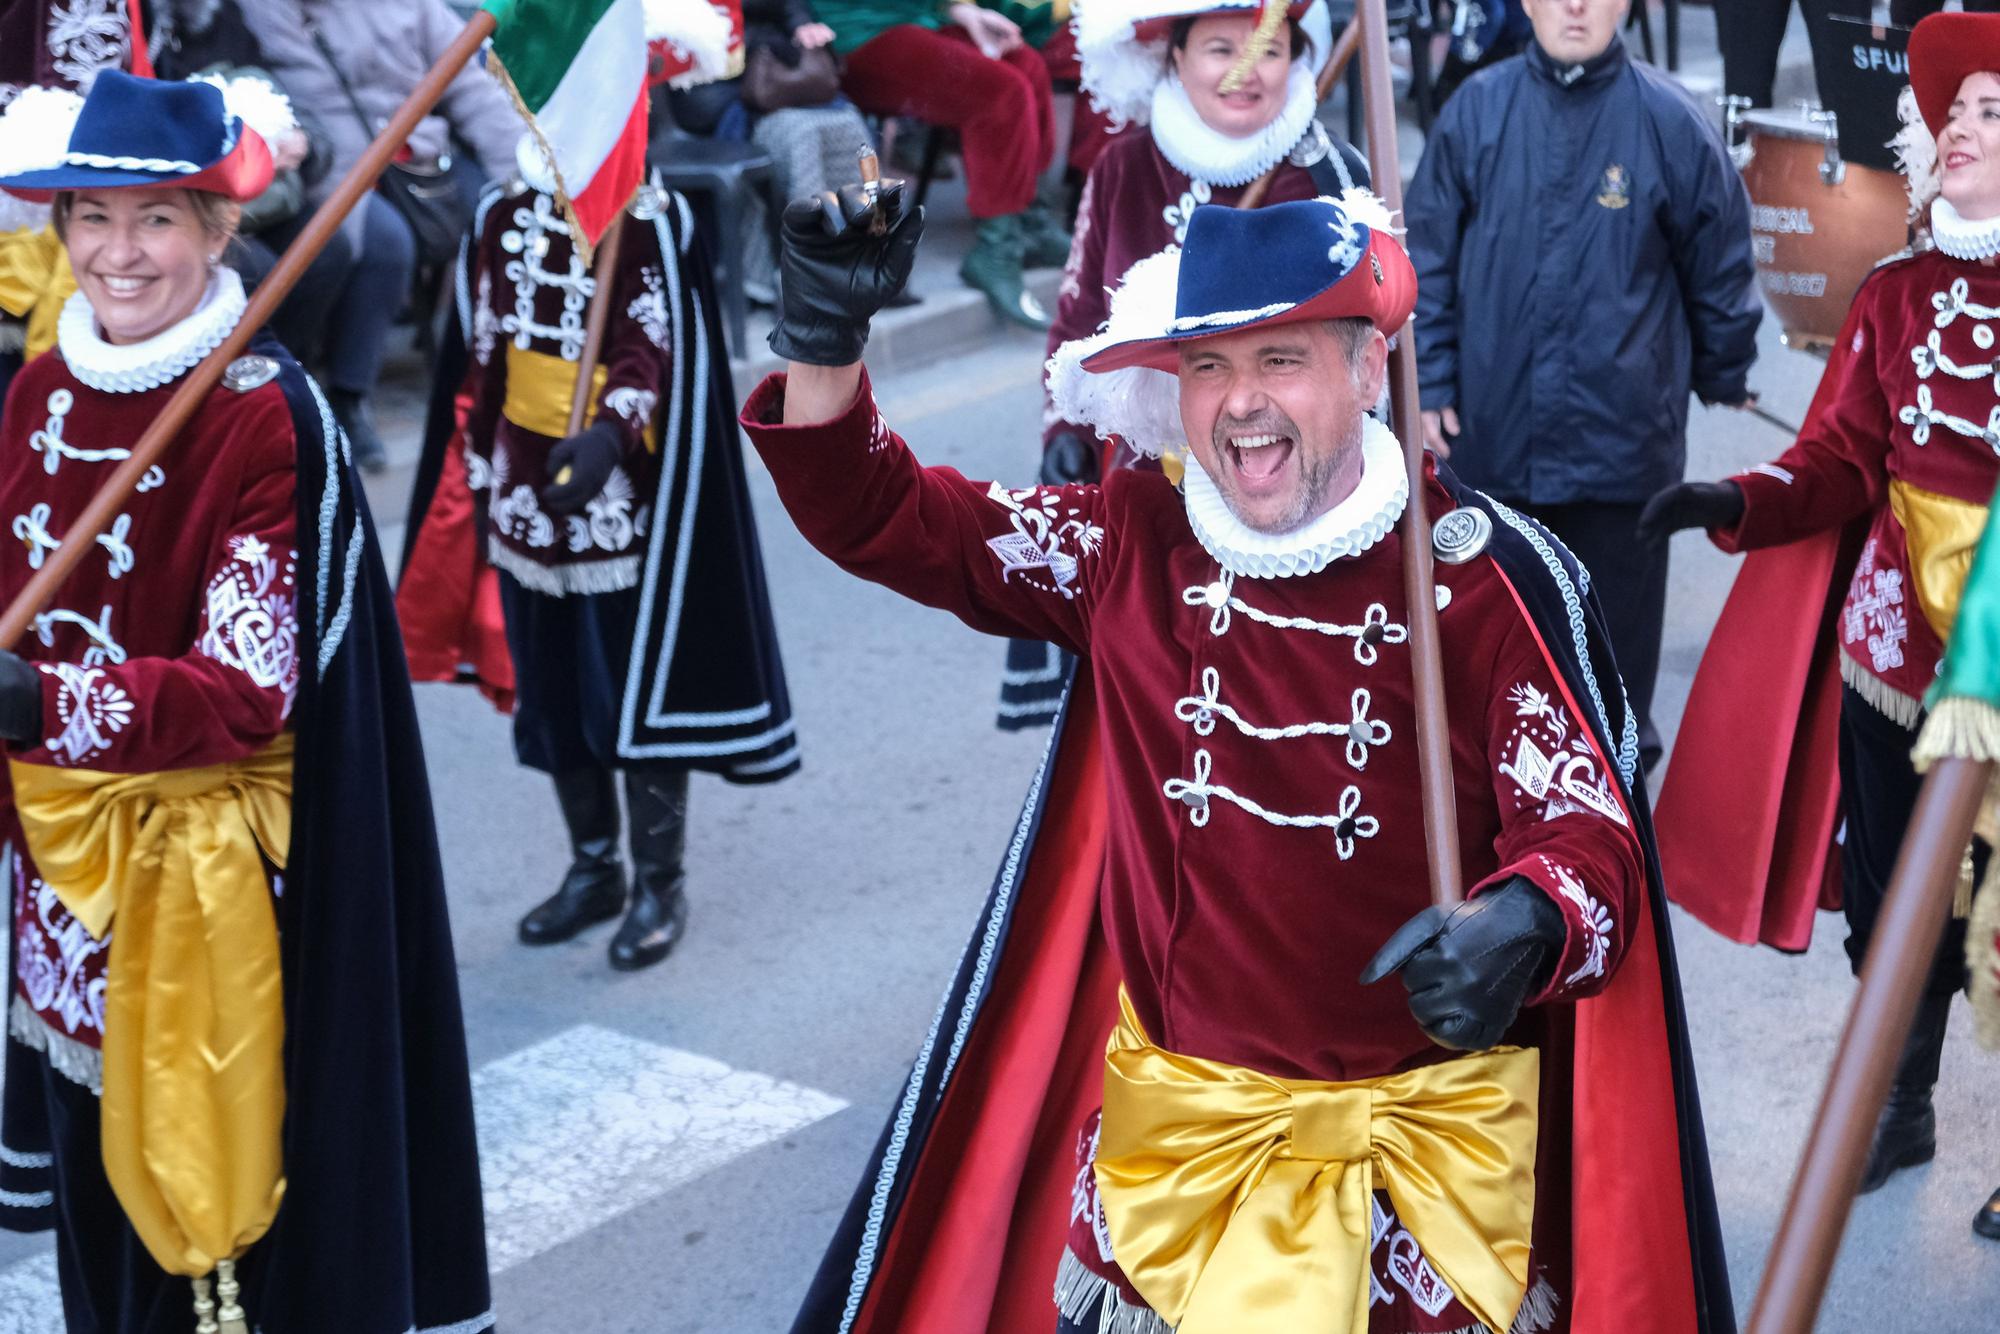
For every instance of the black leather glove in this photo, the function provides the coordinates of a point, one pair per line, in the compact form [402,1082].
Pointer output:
[1469,970]
[589,456]
[836,273]
[20,701]
[1067,458]
[1690,505]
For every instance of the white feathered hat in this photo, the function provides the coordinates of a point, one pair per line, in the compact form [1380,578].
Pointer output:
[1324,258]
[1122,44]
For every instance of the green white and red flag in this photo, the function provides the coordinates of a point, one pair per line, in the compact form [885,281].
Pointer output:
[577,71]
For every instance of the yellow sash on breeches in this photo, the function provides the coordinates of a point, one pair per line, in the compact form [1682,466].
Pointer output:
[194,1022]
[1240,1203]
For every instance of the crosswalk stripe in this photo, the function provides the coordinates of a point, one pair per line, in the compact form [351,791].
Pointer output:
[573,1131]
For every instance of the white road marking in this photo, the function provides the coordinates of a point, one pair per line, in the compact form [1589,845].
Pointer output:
[573,1131]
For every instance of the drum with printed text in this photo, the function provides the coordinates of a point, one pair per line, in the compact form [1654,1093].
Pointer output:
[1818,224]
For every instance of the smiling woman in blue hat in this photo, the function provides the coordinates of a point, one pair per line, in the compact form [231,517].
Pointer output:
[205,733]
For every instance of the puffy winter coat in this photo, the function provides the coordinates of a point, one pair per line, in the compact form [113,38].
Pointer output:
[1582,247]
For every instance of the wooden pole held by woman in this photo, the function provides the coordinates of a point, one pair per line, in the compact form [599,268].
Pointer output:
[80,540]
[1892,979]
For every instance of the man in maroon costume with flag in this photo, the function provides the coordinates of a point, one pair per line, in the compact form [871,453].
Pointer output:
[1271,1139]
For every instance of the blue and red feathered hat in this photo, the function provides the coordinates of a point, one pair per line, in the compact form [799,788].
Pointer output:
[140,132]
[1240,269]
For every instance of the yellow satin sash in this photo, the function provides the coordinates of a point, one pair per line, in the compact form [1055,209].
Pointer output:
[540,388]
[194,1022]
[1941,532]
[1240,1203]
[35,280]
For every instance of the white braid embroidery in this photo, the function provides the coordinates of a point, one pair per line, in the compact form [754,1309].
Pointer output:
[1222,600]
[1346,821]
[1952,304]
[33,530]
[1921,416]
[1361,731]
[1930,357]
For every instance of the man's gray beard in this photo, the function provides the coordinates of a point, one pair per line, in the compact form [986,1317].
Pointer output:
[1312,493]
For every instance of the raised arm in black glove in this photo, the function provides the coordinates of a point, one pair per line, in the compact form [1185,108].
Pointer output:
[1690,505]
[588,456]
[1067,458]
[20,701]
[1468,970]
[836,272]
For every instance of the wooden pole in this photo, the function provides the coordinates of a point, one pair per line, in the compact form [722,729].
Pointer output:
[1907,931]
[80,540]
[1344,47]
[1426,656]
[593,324]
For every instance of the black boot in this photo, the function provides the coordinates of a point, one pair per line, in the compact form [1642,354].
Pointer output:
[593,890]
[1987,1221]
[658,916]
[351,411]
[1907,1133]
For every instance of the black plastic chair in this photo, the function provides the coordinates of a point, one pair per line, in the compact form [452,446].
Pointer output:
[728,174]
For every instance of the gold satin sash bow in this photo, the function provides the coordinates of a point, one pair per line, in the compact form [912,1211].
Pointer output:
[1942,533]
[1240,1203]
[35,280]
[194,1022]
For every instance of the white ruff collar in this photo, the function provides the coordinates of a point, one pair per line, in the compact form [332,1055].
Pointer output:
[1206,154]
[127,368]
[1348,529]
[1962,239]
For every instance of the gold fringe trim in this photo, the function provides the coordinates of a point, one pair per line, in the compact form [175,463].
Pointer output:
[1890,702]
[1982,958]
[1269,21]
[1961,728]
[548,152]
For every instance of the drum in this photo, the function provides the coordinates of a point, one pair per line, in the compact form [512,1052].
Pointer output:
[1818,224]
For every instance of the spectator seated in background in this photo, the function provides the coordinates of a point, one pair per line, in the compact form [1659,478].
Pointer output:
[787,101]
[350,64]
[210,37]
[968,69]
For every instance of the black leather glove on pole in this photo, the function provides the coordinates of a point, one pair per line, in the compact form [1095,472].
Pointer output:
[836,272]
[1690,505]
[1469,970]
[1067,458]
[20,701]
[589,455]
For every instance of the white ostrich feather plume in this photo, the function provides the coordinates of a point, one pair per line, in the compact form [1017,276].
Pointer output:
[1139,404]
[698,30]
[35,129]
[254,102]
[1916,156]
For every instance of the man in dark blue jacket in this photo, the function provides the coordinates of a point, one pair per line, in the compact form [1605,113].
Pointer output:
[1582,247]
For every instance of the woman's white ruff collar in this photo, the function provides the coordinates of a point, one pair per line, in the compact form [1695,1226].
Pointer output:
[1206,154]
[1962,239]
[1348,529]
[128,368]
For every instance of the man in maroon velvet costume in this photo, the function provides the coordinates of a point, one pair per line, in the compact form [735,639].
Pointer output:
[1246,638]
